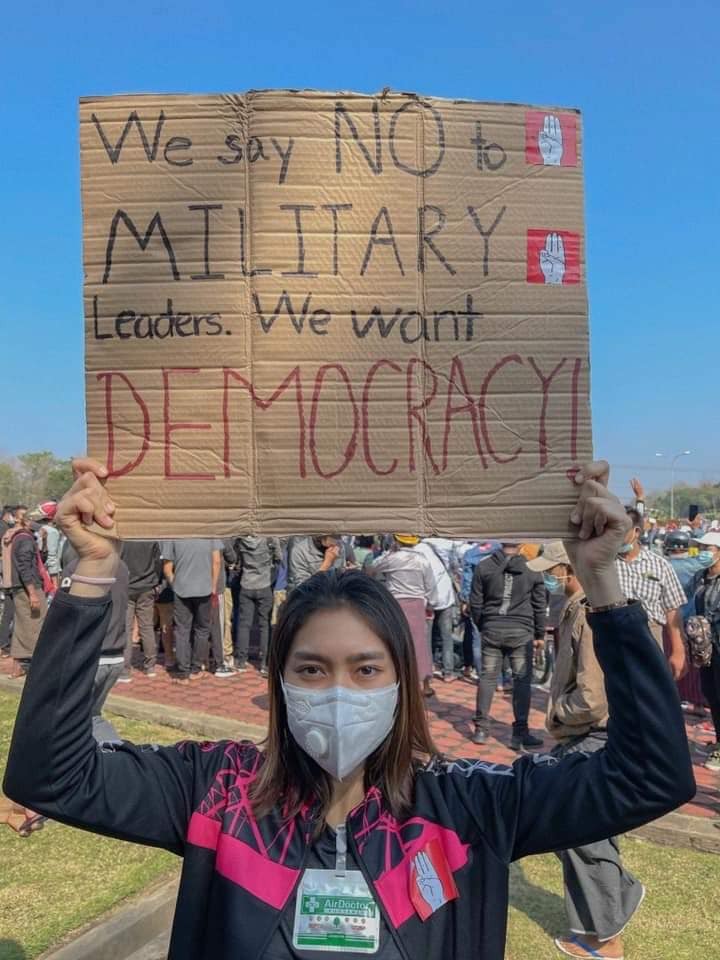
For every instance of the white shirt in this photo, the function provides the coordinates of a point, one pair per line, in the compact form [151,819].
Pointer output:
[443,595]
[406,574]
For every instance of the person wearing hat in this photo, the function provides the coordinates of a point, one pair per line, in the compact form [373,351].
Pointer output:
[707,604]
[407,574]
[601,896]
[49,539]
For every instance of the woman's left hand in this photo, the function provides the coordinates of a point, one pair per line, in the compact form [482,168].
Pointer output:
[601,524]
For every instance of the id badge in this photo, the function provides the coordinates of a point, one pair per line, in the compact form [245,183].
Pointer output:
[336,914]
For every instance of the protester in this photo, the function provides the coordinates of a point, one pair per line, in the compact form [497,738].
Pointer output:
[142,558]
[191,568]
[23,580]
[49,539]
[408,576]
[7,522]
[365,552]
[258,559]
[218,664]
[221,630]
[7,519]
[689,571]
[164,611]
[601,896]
[429,841]
[707,605]
[310,555]
[646,577]
[442,602]
[280,585]
[508,606]
[471,556]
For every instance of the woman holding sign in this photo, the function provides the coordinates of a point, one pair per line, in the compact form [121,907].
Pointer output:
[347,833]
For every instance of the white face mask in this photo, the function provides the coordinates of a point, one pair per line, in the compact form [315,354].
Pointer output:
[337,727]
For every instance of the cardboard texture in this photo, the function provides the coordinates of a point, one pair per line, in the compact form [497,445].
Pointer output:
[312,312]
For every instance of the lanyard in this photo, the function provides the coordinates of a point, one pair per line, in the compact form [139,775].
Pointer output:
[341,851]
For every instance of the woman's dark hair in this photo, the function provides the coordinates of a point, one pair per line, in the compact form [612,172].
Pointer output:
[289,778]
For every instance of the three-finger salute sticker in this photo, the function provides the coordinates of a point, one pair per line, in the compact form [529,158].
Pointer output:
[431,881]
[553,257]
[551,138]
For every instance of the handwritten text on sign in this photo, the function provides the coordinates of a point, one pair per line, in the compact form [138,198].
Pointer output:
[309,311]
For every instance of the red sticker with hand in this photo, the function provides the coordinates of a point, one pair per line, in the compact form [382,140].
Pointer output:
[431,881]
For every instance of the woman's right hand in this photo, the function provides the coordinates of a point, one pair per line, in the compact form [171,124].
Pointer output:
[84,505]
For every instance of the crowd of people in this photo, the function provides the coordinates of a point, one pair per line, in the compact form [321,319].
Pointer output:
[351,633]
[477,609]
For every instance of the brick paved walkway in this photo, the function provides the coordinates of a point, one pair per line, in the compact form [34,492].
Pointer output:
[244,697]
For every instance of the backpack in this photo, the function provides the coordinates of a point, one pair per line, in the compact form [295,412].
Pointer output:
[700,640]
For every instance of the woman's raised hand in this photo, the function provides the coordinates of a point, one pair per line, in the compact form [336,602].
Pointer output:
[601,524]
[87,504]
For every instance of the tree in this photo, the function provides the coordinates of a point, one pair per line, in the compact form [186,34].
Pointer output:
[9,485]
[31,478]
[59,479]
[706,496]
[34,470]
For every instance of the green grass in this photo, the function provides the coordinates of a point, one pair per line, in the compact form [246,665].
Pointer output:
[677,921]
[61,878]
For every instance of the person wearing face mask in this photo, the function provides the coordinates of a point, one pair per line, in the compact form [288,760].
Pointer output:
[646,577]
[346,833]
[601,896]
[707,604]
[689,571]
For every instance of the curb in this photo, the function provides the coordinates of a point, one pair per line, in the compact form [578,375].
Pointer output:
[126,930]
[680,830]
[198,724]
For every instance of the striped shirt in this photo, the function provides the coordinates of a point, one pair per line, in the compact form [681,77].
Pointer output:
[651,579]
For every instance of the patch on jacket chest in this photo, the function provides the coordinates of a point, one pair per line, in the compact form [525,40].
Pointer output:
[432,884]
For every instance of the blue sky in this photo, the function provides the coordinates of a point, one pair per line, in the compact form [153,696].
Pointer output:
[645,75]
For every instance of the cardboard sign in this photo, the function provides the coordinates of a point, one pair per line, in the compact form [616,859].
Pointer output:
[312,312]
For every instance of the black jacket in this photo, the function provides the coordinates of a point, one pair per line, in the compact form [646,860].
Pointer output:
[257,560]
[470,818]
[142,558]
[113,643]
[505,595]
[25,571]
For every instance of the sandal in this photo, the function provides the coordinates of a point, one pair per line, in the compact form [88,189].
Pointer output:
[36,822]
[576,946]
